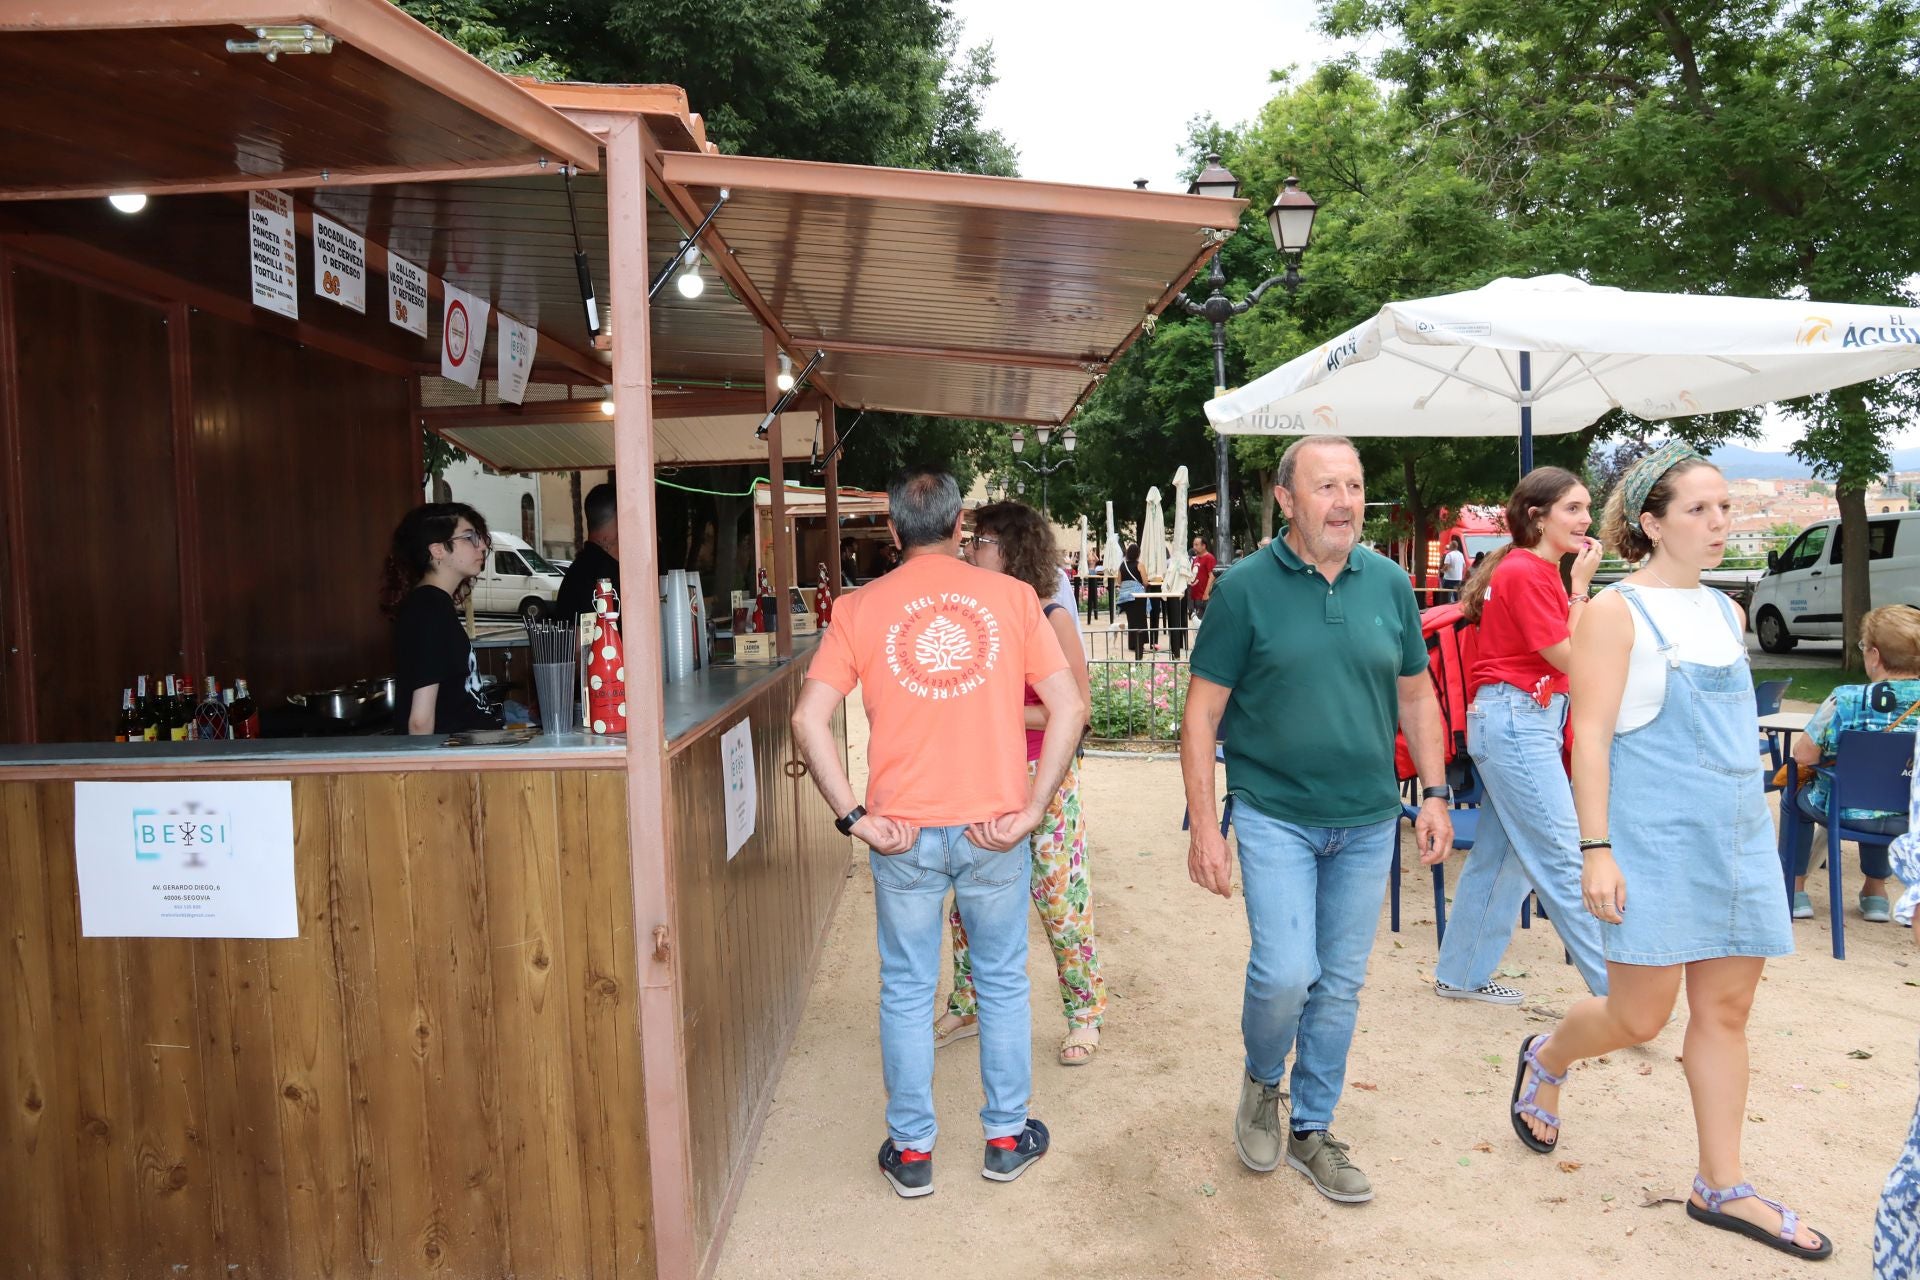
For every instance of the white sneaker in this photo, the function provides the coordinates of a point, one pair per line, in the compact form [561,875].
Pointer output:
[1492,993]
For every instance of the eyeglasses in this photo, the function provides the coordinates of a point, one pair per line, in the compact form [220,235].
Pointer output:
[982,540]
[472,538]
[1864,646]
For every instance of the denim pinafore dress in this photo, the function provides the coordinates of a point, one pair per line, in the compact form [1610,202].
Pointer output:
[1689,821]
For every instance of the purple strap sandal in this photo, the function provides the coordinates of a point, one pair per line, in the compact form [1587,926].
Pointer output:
[1714,1216]
[1524,1104]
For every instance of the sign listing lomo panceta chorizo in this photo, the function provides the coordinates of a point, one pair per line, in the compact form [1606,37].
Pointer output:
[339,264]
[270,253]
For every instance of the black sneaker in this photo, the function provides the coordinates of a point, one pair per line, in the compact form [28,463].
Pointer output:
[1008,1158]
[910,1171]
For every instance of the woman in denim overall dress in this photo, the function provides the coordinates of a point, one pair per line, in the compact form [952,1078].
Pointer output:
[1676,840]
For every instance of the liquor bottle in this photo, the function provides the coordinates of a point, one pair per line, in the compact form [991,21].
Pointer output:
[183,709]
[767,608]
[244,715]
[210,716]
[129,730]
[172,725]
[149,712]
[607,666]
[823,598]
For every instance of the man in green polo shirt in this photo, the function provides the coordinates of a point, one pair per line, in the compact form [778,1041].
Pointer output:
[1310,656]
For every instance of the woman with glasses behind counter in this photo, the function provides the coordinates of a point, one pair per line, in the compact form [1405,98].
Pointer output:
[438,549]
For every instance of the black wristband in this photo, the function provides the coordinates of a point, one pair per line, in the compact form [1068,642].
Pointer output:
[1595,844]
[1437,793]
[846,824]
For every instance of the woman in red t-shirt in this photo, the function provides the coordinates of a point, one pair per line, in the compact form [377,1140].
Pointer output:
[1528,838]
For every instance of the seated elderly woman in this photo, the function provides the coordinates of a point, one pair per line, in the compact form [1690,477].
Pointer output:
[1890,642]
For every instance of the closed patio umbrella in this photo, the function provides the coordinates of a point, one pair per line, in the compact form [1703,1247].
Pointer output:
[1111,554]
[1153,539]
[1179,575]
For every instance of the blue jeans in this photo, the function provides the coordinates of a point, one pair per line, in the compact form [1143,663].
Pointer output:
[1313,906]
[909,893]
[1875,862]
[1528,838]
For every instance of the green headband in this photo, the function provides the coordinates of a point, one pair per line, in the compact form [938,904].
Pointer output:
[1646,473]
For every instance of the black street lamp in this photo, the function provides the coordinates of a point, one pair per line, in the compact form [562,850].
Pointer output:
[1067,441]
[1290,219]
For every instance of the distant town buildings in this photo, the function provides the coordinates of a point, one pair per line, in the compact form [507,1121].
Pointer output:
[1766,513]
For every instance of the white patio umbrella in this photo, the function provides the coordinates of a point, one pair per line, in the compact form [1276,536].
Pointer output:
[1551,354]
[1153,539]
[1083,566]
[1179,564]
[1111,553]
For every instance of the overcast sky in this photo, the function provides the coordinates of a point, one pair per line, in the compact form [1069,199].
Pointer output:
[1101,93]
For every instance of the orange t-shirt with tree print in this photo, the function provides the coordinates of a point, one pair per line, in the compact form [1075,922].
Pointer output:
[942,652]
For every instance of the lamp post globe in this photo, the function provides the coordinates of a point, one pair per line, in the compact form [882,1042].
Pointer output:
[1290,221]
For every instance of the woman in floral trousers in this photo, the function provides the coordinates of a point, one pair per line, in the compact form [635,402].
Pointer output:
[1013,538]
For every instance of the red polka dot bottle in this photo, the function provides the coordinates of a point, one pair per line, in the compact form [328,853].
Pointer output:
[607,667]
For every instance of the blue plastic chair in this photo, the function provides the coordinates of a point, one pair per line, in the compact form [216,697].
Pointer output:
[1468,792]
[1766,701]
[1871,770]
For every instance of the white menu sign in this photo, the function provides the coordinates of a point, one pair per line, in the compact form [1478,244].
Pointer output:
[339,264]
[185,859]
[463,336]
[270,246]
[742,795]
[406,295]
[515,355]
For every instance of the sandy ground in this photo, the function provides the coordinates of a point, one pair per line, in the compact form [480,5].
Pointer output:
[1143,1180]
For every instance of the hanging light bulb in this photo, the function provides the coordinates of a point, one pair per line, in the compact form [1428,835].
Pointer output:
[690,283]
[785,380]
[606,405]
[128,201]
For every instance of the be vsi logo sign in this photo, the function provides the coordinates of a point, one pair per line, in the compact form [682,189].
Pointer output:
[190,833]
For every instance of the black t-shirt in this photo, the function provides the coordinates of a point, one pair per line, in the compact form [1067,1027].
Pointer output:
[430,647]
[576,589]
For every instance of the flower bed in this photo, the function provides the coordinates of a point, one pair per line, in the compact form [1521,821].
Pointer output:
[1140,701]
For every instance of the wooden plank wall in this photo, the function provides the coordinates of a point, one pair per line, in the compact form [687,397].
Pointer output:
[303,467]
[214,503]
[101,569]
[749,932]
[440,1076]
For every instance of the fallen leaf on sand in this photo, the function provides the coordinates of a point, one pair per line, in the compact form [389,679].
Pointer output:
[1466,1160]
[1754,1116]
[1646,1070]
[1655,1198]
[1206,1188]
[1861,1054]
[1554,1200]
[1478,1146]
[1839,1084]
[1568,1166]
[1362,1084]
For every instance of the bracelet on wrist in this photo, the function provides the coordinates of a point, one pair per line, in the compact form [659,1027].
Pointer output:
[1595,844]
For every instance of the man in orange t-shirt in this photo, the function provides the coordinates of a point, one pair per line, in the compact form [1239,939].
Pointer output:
[943,653]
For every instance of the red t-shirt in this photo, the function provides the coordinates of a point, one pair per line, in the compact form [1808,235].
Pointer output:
[1202,574]
[1525,611]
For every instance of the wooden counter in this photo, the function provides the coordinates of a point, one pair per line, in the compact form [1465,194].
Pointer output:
[441,1074]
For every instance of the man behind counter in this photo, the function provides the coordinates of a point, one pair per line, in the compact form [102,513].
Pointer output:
[599,556]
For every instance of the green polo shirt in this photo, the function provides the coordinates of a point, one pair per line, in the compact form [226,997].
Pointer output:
[1312,665]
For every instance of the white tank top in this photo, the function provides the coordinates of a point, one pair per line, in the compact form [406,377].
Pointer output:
[1690,619]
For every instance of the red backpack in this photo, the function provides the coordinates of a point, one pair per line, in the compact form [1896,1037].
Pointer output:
[1452,645]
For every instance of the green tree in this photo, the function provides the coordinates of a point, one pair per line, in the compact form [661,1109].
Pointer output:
[1760,147]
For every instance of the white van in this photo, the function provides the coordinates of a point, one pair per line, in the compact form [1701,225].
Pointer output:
[517,579]
[1799,598]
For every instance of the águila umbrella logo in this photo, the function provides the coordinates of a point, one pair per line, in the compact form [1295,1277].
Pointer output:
[945,647]
[1814,329]
[1325,418]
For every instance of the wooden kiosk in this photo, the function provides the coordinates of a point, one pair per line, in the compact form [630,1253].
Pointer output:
[534,1014]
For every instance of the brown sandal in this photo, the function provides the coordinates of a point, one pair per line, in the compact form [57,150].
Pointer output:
[966,1028]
